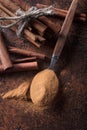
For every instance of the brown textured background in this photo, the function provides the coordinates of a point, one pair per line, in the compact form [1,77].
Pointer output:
[70,111]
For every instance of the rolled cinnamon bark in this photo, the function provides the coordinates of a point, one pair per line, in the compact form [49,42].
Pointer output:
[40,38]
[54,26]
[2,13]
[20,67]
[32,41]
[28,59]
[24,4]
[6,10]
[34,37]
[4,55]
[40,27]
[62,13]
[26,52]
[9,5]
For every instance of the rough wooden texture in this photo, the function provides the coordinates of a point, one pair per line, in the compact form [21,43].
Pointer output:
[70,112]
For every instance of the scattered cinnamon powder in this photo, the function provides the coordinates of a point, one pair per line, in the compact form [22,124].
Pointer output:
[18,93]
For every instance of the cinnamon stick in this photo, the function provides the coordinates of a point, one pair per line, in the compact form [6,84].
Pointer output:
[28,59]
[20,67]
[40,27]
[4,55]
[54,27]
[30,34]
[24,4]
[62,13]
[6,10]
[26,52]
[9,5]
[30,39]
[40,38]
[34,37]
[2,13]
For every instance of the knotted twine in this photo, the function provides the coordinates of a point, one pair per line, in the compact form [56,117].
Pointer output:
[24,17]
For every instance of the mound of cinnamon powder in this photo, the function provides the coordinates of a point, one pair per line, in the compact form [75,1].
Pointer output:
[44,87]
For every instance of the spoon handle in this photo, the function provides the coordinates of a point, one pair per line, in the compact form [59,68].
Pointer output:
[63,33]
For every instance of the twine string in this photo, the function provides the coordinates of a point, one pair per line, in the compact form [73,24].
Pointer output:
[23,18]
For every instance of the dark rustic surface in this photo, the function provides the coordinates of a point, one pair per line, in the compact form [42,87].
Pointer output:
[70,112]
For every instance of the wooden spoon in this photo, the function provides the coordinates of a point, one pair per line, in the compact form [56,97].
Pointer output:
[44,86]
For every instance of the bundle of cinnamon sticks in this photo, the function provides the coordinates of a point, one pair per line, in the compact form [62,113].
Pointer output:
[37,32]
[29,62]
